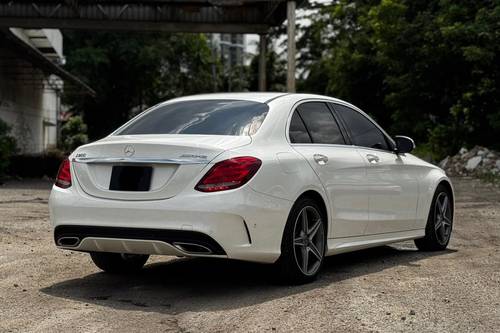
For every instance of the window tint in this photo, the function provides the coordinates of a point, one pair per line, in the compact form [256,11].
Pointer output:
[363,132]
[298,132]
[216,117]
[320,123]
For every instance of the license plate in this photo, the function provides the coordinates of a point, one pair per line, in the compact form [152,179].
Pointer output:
[130,178]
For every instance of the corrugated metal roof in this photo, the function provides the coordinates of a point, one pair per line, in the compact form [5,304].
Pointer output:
[237,16]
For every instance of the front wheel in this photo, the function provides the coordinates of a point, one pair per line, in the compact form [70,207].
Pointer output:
[303,244]
[439,222]
[119,262]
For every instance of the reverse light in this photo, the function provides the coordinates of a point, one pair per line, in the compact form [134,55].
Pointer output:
[63,179]
[229,174]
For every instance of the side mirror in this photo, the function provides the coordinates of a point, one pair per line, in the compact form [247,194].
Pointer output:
[404,144]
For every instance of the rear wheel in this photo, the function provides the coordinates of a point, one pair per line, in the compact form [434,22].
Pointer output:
[119,262]
[439,223]
[303,244]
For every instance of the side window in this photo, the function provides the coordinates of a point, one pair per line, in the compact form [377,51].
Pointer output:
[320,123]
[298,132]
[363,132]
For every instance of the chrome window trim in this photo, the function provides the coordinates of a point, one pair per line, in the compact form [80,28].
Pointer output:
[334,101]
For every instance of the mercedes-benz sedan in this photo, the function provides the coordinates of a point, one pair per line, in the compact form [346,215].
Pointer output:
[273,178]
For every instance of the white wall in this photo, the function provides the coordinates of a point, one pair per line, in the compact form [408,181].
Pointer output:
[27,103]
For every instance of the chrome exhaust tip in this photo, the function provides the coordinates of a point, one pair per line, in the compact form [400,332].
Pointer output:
[68,241]
[192,248]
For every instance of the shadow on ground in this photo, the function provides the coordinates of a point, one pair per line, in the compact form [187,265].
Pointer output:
[210,284]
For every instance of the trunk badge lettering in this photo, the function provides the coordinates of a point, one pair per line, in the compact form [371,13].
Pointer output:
[201,157]
[129,150]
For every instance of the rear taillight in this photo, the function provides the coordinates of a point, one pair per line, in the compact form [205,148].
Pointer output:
[63,179]
[229,174]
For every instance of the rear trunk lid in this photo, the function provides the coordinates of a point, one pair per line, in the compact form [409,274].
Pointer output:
[168,163]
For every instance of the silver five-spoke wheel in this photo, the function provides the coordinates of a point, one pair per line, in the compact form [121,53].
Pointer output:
[439,223]
[442,218]
[308,241]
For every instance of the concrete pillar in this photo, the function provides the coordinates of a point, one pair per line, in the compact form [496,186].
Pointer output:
[290,80]
[262,62]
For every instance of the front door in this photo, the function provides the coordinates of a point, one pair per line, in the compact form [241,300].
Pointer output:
[393,192]
[392,186]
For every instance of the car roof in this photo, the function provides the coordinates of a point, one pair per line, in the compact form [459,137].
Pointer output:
[262,97]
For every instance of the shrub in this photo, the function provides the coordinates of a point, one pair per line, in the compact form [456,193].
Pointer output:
[37,165]
[73,134]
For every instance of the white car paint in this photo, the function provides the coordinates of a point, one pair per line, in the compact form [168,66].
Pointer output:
[367,204]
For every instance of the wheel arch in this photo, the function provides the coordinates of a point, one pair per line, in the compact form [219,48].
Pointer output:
[318,198]
[447,184]
[442,181]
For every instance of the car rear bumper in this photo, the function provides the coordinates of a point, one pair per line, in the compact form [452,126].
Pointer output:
[239,224]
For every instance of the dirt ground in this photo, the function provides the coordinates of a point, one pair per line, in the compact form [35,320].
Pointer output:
[387,289]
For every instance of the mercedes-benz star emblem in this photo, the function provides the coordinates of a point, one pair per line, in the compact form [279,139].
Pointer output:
[129,151]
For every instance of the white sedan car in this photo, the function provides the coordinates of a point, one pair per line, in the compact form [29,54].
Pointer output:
[273,178]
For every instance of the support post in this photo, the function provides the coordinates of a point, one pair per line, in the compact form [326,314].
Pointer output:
[262,62]
[290,81]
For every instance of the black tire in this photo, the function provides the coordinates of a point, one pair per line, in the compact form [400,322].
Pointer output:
[119,262]
[289,267]
[438,229]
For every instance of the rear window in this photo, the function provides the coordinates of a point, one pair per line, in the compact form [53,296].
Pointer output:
[214,117]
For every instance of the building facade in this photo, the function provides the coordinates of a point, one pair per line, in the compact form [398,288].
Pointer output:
[30,96]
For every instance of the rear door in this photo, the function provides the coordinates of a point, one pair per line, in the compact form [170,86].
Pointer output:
[316,135]
[392,186]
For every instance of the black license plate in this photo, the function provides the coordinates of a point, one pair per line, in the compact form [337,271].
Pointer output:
[130,178]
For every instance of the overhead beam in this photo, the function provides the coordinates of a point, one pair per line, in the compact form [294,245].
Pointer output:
[81,24]
[217,16]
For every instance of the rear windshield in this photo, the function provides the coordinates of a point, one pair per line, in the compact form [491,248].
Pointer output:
[216,117]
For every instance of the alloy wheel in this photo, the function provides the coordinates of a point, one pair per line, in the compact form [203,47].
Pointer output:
[442,218]
[308,240]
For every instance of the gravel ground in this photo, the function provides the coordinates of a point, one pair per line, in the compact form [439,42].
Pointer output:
[387,289]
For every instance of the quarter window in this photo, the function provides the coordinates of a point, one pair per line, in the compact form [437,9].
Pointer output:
[320,123]
[298,132]
[363,132]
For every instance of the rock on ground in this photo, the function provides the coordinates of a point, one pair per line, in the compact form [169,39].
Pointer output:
[475,162]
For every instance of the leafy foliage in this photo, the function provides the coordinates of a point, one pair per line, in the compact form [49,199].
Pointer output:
[429,69]
[135,70]
[73,134]
[275,72]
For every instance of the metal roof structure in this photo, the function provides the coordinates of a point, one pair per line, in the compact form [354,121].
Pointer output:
[201,16]
[27,57]
[224,16]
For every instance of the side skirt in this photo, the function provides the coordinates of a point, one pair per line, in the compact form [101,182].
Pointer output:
[348,244]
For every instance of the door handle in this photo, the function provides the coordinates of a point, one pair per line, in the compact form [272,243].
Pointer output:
[320,159]
[373,159]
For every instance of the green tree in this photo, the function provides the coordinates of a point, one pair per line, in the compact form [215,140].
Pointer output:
[275,72]
[429,69]
[134,70]
[73,134]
